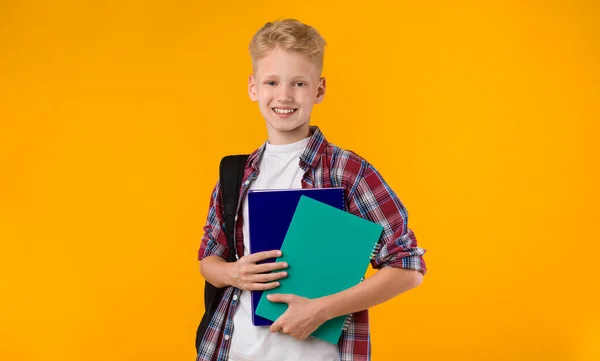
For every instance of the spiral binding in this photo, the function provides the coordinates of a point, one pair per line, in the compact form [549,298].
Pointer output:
[375,250]
[348,319]
[347,322]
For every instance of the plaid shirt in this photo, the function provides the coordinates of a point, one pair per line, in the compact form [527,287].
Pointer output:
[367,195]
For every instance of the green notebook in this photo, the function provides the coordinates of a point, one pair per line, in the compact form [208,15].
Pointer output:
[327,250]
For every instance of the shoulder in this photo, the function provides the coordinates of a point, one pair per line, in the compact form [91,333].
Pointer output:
[348,167]
[255,156]
[348,159]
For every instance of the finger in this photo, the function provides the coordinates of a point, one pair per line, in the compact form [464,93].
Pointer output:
[268,277]
[276,326]
[268,267]
[299,337]
[262,286]
[260,256]
[280,298]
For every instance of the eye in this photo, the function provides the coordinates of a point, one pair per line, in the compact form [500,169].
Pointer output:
[301,84]
[271,82]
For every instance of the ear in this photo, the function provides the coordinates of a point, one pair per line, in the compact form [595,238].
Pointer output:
[321,91]
[252,91]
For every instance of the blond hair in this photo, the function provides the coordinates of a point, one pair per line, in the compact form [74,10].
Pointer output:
[290,35]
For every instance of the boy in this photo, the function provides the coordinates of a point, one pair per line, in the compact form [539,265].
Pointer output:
[287,59]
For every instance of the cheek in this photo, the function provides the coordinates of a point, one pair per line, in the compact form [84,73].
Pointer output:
[306,96]
[265,95]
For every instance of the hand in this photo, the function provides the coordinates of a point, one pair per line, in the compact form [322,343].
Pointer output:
[245,274]
[302,317]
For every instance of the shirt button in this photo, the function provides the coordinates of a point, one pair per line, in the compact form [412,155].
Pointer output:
[235,297]
[227,337]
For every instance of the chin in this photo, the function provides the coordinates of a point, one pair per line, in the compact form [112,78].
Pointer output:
[283,126]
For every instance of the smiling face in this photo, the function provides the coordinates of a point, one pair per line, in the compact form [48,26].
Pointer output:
[286,85]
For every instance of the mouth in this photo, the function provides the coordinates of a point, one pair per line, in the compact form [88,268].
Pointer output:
[284,112]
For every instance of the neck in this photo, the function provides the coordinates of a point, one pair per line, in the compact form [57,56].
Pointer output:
[281,138]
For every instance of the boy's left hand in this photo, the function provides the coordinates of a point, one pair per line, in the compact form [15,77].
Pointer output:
[302,317]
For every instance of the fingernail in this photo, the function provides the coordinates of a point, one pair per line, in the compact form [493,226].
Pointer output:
[277,283]
[279,253]
[269,297]
[284,264]
[283,274]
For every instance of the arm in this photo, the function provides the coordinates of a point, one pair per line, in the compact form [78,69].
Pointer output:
[381,287]
[244,273]
[214,240]
[216,271]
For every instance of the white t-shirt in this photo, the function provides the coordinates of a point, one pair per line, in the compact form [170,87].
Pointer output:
[278,169]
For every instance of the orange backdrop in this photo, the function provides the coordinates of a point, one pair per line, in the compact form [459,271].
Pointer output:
[483,116]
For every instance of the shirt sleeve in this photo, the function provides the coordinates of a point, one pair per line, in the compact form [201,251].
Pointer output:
[214,239]
[374,200]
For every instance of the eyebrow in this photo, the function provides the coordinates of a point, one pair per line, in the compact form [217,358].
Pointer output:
[297,77]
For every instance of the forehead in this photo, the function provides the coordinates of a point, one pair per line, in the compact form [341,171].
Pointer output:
[279,62]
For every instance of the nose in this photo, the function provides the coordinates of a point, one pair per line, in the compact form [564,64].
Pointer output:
[285,95]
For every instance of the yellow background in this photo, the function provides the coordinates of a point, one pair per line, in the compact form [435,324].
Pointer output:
[483,116]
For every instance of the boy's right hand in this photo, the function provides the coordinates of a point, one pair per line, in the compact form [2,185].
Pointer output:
[245,274]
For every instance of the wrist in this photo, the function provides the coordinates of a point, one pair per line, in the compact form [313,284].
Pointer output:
[229,272]
[325,308]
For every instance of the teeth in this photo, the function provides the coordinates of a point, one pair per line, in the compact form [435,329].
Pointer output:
[283,111]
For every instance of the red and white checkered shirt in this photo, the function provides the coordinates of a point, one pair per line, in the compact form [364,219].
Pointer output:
[367,196]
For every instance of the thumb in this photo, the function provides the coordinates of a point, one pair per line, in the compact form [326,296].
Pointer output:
[281,298]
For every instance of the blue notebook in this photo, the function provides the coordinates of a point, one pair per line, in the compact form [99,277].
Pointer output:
[270,214]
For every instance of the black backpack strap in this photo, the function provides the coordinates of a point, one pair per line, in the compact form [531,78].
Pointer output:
[231,173]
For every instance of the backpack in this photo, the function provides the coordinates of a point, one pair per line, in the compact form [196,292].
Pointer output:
[231,172]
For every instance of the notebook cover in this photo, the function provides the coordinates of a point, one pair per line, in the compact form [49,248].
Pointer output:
[327,250]
[270,213]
